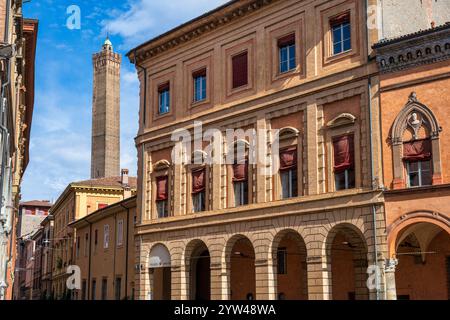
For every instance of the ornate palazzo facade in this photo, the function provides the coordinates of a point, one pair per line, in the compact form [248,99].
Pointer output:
[314,228]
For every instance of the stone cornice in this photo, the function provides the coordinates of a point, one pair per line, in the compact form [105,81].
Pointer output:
[414,50]
[193,29]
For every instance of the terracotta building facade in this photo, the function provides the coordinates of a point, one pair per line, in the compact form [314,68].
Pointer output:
[415,94]
[224,230]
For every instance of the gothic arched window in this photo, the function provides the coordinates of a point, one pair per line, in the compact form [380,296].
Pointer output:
[415,146]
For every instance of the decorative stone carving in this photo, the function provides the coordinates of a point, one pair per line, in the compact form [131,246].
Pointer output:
[390,265]
[415,124]
[414,115]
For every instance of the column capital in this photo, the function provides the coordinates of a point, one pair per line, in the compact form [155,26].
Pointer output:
[390,265]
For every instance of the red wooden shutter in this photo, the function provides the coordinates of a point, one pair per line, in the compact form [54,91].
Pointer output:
[288,158]
[162,188]
[344,155]
[240,172]
[240,70]
[198,181]
[287,40]
[417,150]
[102,205]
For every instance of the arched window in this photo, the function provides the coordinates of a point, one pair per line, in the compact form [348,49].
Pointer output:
[415,146]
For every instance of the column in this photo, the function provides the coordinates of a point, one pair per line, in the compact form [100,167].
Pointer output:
[265,285]
[389,275]
[319,278]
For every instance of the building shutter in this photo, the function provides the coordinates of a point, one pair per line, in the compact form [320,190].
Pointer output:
[287,40]
[288,158]
[164,87]
[162,188]
[240,70]
[417,150]
[198,181]
[340,19]
[240,172]
[344,155]
[199,73]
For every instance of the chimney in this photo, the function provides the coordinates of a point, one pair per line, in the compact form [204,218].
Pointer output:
[125,184]
[124,177]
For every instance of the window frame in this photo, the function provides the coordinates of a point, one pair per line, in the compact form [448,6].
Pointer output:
[201,73]
[120,232]
[330,13]
[284,270]
[343,40]
[335,130]
[289,48]
[106,238]
[420,173]
[346,171]
[164,91]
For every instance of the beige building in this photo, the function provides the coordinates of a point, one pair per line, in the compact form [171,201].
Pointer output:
[225,230]
[47,257]
[104,251]
[79,200]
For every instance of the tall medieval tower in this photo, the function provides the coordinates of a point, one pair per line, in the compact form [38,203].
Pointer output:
[105,155]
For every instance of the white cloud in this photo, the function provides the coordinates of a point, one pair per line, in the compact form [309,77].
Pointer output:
[145,19]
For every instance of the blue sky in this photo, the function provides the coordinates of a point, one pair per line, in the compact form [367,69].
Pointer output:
[61,130]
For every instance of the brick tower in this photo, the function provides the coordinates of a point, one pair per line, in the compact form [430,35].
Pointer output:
[105,155]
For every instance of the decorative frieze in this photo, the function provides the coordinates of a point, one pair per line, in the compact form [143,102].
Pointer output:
[414,50]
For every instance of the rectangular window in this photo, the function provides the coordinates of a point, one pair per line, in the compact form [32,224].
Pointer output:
[240,70]
[282,260]
[104,289]
[120,232]
[162,190]
[94,289]
[417,158]
[86,244]
[164,98]
[240,184]
[83,290]
[118,288]
[419,173]
[77,254]
[288,173]
[106,236]
[344,162]
[289,187]
[341,33]
[198,202]
[286,51]
[199,85]
[96,237]
[198,190]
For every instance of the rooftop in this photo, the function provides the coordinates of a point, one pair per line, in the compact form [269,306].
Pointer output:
[111,182]
[37,203]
